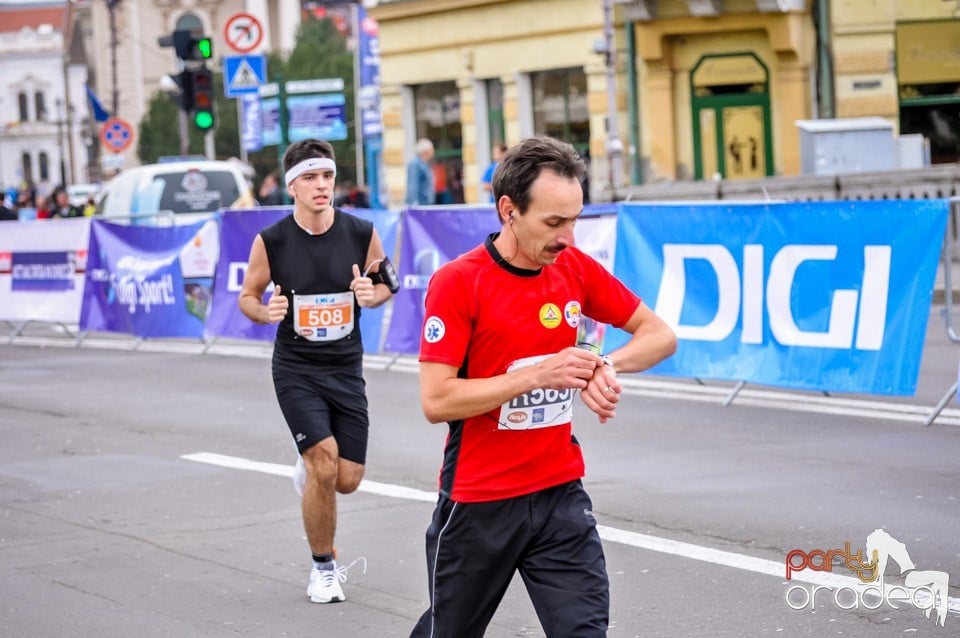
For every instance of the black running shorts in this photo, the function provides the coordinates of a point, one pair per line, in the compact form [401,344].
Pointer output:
[318,402]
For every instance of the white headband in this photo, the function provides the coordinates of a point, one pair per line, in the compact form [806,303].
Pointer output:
[312,164]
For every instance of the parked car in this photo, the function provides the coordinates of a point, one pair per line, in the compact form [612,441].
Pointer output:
[175,192]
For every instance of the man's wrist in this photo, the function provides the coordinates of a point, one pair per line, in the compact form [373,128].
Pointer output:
[608,361]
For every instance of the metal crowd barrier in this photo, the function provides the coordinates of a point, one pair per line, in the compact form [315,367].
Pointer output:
[949,257]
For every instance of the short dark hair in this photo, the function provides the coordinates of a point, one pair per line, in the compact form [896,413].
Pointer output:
[522,165]
[306,149]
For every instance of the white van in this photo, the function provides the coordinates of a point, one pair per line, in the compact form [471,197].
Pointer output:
[177,192]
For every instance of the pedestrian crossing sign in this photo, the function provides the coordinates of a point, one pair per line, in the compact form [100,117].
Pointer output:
[243,74]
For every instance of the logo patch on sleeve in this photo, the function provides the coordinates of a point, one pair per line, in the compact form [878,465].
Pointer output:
[433,329]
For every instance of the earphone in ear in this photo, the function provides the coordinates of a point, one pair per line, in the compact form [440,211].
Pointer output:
[511,218]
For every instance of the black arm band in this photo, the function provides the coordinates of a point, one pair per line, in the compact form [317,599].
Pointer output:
[386,275]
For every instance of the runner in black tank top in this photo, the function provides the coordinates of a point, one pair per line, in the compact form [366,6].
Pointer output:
[325,268]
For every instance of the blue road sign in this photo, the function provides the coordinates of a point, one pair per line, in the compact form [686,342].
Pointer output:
[243,74]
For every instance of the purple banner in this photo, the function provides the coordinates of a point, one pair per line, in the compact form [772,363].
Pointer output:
[142,280]
[430,238]
[237,230]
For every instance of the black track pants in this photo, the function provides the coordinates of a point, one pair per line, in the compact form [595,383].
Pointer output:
[473,550]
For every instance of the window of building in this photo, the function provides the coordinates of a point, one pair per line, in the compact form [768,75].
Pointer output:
[929,84]
[26,164]
[44,165]
[437,106]
[560,106]
[40,107]
[495,111]
[931,110]
[22,102]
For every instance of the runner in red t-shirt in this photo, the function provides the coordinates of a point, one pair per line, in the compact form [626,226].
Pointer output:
[499,363]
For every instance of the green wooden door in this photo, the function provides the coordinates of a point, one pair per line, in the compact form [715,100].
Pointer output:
[731,117]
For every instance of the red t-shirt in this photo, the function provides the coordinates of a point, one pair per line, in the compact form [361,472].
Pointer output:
[483,316]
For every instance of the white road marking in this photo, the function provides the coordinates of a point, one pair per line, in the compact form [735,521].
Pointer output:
[612,534]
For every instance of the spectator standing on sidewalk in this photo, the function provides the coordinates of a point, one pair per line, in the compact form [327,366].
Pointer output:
[420,187]
[62,208]
[486,182]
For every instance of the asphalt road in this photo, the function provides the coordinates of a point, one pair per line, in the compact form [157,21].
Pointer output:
[119,517]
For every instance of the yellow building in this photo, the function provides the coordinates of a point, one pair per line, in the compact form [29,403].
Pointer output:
[900,59]
[703,88]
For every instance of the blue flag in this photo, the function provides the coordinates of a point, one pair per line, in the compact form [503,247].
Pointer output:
[100,114]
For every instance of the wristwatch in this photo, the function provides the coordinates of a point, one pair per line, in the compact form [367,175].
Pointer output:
[607,361]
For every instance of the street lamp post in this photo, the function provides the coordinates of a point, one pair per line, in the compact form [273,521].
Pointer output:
[614,144]
[112,8]
[59,123]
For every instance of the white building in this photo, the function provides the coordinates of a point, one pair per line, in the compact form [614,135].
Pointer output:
[44,139]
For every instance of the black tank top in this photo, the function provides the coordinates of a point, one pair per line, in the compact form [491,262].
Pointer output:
[305,264]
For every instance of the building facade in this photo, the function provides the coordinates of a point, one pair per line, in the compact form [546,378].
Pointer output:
[704,89]
[901,61]
[45,136]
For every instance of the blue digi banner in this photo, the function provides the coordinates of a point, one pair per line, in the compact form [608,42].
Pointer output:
[826,296]
[136,282]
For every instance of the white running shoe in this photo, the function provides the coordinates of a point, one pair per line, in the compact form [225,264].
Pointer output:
[325,586]
[325,583]
[299,475]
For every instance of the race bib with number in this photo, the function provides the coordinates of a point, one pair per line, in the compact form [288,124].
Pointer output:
[538,408]
[325,317]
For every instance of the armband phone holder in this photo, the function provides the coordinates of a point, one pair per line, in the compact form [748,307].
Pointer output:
[386,275]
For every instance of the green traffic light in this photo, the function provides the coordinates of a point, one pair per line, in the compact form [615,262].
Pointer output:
[205,48]
[203,120]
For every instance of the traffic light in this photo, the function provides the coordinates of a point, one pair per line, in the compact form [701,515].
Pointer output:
[188,45]
[184,99]
[201,93]
[204,47]
[195,79]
